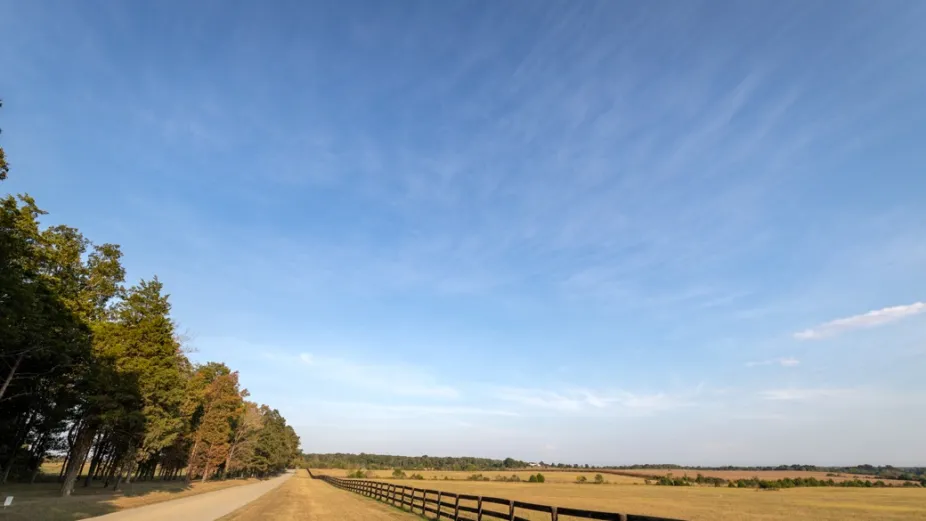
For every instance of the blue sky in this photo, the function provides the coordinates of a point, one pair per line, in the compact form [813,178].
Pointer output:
[603,232]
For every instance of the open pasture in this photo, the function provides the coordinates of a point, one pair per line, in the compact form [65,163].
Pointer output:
[704,503]
[523,475]
[747,474]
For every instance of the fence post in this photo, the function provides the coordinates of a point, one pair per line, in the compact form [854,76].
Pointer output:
[510,510]
[554,516]
[456,508]
[479,509]
[424,502]
[439,495]
[622,516]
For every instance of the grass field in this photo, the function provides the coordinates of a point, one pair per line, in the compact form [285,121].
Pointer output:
[40,501]
[707,503]
[691,503]
[305,499]
[524,475]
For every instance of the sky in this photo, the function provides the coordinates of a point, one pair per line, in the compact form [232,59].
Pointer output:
[586,232]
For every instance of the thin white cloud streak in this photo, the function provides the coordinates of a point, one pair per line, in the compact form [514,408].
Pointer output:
[807,394]
[878,317]
[375,410]
[588,401]
[399,380]
[783,362]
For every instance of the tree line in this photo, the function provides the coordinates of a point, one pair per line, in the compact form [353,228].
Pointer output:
[383,461]
[93,373]
[882,472]
[773,484]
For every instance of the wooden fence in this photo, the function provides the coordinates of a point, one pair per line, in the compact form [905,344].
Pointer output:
[448,505]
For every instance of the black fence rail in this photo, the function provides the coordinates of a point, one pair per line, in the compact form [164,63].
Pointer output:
[447,505]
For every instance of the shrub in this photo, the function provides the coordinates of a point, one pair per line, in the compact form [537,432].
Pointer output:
[532,479]
[581,479]
[540,478]
[416,476]
[599,479]
[398,474]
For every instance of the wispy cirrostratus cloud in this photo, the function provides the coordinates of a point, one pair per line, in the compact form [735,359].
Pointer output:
[783,362]
[378,410]
[393,379]
[585,400]
[807,394]
[874,318]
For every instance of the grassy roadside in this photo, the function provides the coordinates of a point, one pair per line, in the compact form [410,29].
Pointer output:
[40,502]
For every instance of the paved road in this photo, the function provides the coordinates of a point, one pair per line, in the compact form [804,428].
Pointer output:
[201,507]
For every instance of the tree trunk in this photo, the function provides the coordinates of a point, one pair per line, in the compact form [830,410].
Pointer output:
[64,464]
[94,461]
[6,471]
[228,459]
[76,459]
[127,467]
[35,474]
[206,472]
[189,473]
[9,377]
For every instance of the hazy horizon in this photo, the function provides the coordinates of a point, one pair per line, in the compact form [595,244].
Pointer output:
[594,232]
[638,463]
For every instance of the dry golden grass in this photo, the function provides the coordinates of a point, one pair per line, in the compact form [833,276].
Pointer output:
[51,468]
[524,475]
[40,501]
[305,499]
[706,503]
[761,474]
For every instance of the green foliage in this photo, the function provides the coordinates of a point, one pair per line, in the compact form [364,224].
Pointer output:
[4,167]
[385,462]
[581,479]
[880,472]
[478,477]
[536,478]
[398,474]
[94,371]
[599,479]
[416,476]
[767,484]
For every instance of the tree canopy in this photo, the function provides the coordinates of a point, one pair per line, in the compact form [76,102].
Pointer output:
[383,461]
[93,371]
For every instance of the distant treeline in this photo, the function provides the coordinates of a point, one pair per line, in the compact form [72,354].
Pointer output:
[773,484]
[383,461]
[882,472]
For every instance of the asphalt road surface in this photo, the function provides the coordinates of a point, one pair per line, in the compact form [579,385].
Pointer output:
[201,507]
